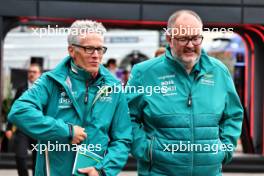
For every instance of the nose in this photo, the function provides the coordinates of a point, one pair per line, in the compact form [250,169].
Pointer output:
[95,53]
[189,44]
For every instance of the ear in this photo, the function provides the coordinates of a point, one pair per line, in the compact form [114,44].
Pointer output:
[71,51]
[168,39]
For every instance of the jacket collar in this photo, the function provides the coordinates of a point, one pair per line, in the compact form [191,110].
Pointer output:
[61,72]
[204,65]
[61,75]
[80,73]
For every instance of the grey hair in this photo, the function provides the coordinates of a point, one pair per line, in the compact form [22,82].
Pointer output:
[172,19]
[80,28]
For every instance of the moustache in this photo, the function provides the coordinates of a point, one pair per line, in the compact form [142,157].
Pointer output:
[189,50]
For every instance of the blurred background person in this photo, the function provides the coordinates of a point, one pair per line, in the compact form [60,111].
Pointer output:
[22,141]
[160,51]
[125,77]
[112,66]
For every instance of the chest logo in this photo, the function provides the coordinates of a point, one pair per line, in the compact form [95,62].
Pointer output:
[208,79]
[64,101]
[170,87]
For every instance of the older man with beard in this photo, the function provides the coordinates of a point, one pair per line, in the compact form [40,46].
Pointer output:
[192,125]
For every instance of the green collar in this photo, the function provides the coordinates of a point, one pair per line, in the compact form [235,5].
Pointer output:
[197,66]
[203,65]
[79,72]
[63,69]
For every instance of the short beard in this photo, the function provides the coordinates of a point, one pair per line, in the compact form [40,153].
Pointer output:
[187,65]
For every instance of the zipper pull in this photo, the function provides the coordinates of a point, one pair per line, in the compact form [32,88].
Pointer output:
[189,102]
[196,73]
[86,93]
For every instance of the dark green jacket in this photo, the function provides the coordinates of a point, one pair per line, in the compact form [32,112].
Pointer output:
[45,111]
[201,108]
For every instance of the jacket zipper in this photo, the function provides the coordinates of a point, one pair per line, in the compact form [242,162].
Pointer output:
[86,99]
[150,152]
[86,92]
[189,101]
[189,105]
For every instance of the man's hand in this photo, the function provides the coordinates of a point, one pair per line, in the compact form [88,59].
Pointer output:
[9,134]
[79,135]
[90,171]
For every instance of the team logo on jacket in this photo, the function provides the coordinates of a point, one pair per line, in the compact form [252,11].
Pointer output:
[168,85]
[103,94]
[105,99]
[208,79]
[64,100]
[169,88]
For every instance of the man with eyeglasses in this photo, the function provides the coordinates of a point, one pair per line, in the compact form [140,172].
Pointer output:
[192,125]
[73,104]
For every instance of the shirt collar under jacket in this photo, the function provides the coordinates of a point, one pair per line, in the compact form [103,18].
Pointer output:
[202,65]
[80,73]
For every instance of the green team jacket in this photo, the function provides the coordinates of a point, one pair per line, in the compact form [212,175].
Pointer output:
[201,108]
[45,111]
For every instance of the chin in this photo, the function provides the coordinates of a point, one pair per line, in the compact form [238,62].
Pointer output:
[93,70]
[188,59]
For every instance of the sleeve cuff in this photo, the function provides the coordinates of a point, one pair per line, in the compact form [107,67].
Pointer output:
[71,132]
[100,169]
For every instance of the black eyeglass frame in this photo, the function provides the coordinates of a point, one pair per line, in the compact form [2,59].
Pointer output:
[188,39]
[87,48]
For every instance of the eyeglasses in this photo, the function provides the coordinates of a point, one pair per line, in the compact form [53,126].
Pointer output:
[91,49]
[184,41]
